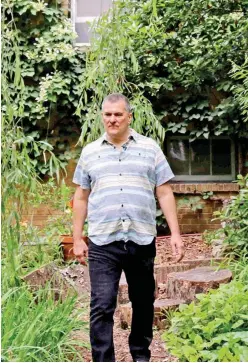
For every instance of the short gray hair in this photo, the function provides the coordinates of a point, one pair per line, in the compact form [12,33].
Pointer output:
[115,97]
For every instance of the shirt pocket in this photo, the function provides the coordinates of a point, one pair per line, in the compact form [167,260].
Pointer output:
[142,163]
[99,166]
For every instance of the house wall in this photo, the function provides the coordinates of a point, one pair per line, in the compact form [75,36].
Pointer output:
[200,220]
[190,221]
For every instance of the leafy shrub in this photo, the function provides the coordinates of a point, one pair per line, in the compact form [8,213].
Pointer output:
[214,329]
[178,55]
[234,220]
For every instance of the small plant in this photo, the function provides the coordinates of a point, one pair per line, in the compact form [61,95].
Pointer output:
[209,236]
[160,219]
[214,329]
[194,203]
[207,195]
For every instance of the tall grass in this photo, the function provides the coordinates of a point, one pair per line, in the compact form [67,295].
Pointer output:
[35,327]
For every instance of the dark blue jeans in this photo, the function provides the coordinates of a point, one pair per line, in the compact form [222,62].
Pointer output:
[106,264]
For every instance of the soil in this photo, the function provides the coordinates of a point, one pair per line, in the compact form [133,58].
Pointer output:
[195,248]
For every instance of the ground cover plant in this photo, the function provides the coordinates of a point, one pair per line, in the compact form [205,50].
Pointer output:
[215,327]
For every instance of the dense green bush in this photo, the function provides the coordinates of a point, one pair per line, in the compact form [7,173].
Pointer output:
[215,329]
[35,327]
[50,68]
[179,55]
[234,220]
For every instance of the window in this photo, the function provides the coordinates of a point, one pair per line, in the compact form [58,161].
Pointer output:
[201,160]
[83,12]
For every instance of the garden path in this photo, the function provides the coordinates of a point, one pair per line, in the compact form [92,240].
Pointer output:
[195,248]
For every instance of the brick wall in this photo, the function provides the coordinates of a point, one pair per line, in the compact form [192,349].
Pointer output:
[190,221]
[200,220]
[39,216]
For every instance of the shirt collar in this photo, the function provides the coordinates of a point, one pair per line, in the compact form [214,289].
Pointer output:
[133,136]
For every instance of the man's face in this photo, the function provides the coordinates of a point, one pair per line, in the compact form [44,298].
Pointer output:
[116,118]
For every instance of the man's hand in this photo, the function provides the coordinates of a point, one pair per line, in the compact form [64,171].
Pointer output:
[177,247]
[80,250]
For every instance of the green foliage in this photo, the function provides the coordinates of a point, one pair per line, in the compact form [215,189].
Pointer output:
[208,236]
[34,326]
[194,203]
[36,329]
[207,195]
[50,67]
[108,61]
[214,329]
[172,59]
[234,220]
[241,90]
[177,54]
[160,218]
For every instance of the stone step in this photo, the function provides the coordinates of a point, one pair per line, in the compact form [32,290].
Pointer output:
[123,297]
[185,285]
[162,271]
[160,308]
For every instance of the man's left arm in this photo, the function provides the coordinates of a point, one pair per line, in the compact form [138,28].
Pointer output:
[168,205]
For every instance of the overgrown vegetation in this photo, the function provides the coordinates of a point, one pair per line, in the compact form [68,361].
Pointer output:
[176,54]
[234,221]
[215,327]
[51,70]
[173,59]
[34,326]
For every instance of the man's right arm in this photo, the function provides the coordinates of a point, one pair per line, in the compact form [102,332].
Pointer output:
[80,206]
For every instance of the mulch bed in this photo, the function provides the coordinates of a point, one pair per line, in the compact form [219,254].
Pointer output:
[194,248]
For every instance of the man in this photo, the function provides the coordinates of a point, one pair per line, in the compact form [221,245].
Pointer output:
[116,176]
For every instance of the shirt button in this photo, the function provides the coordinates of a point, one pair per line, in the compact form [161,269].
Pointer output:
[121,189]
[119,159]
[122,205]
[120,174]
[123,220]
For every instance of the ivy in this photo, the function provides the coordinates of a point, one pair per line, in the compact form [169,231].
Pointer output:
[50,68]
[182,64]
[179,57]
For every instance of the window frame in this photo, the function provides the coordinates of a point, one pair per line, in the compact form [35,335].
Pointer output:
[206,177]
[86,20]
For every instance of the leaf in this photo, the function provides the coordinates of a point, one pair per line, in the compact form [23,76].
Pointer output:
[154,8]
[238,324]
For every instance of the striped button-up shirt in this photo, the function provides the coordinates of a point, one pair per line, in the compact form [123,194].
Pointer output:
[121,203]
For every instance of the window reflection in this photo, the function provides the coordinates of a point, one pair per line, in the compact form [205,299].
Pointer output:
[200,157]
[179,156]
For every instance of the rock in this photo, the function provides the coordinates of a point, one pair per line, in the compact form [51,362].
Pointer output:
[185,285]
[218,248]
[160,308]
